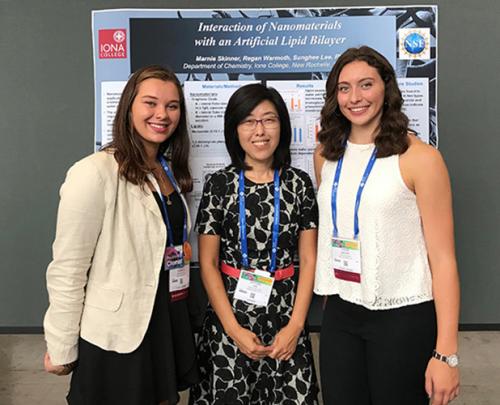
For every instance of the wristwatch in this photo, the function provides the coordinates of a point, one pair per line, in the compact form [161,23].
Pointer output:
[451,360]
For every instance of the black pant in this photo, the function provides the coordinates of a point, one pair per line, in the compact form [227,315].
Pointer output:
[370,357]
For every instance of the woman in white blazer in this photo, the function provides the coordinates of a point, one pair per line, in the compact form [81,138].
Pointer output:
[119,277]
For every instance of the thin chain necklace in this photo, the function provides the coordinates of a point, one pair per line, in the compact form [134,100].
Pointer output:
[160,177]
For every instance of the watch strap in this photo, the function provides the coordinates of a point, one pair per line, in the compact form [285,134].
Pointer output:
[451,360]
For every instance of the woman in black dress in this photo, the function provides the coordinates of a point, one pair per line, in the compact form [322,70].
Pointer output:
[119,280]
[256,215]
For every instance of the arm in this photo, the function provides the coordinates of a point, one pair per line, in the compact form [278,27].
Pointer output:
[285,342]
[248,343]
[433,191]
[79,221]
[318,163]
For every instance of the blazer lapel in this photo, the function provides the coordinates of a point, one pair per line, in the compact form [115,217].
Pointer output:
[145,196]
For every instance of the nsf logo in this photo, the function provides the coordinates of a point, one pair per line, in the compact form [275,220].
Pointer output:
[414,43]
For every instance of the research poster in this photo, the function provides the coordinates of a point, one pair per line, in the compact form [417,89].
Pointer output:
[214,52]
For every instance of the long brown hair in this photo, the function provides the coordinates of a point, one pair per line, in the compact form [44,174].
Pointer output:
[335,127]
[126,145]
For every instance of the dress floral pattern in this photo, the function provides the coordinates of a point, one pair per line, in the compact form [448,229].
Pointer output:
[227,375]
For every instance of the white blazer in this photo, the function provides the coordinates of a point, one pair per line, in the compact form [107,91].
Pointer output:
[107,257]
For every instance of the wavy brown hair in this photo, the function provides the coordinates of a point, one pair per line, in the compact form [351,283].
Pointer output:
[126,145]
[335,127]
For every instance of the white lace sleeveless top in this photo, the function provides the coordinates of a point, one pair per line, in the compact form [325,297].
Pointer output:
[395,270]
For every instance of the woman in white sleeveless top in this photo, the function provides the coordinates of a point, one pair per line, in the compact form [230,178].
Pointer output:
[386,256]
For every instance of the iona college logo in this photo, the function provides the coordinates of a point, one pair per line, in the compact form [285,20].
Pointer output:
[414,43]
[113,43]
[119,36]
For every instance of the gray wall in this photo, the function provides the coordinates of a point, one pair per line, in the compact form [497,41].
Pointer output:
[46,123]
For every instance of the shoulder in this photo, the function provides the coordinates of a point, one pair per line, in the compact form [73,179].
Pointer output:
[319,161]
[222,175]
[101,162]
[89,178]
[421,163]
[296,174]
[219,181]
[421,154]
[92,173]
[318,151]
[318,154]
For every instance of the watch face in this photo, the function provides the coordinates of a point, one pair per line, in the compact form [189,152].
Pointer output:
[452,360]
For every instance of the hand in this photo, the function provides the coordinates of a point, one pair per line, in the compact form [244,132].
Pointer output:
[64,369]
[441,382]
[249,344]
[285,342]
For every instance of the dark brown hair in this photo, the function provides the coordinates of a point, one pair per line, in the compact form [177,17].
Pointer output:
[126,145]
[335,128]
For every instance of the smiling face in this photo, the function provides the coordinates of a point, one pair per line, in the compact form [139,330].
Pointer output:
[259,134]
[155,112]
[360,95]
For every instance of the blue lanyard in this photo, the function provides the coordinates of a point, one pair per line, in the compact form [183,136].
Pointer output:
[361,187]
[170,233]
[243,222]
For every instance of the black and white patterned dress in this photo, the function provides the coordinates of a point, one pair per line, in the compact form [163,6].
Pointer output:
[227,375]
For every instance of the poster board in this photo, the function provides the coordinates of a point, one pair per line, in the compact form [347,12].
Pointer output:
[214,52]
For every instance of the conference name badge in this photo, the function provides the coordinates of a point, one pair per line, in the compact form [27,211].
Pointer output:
[254,287]
[346,259]
[174,257]
[178,269]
